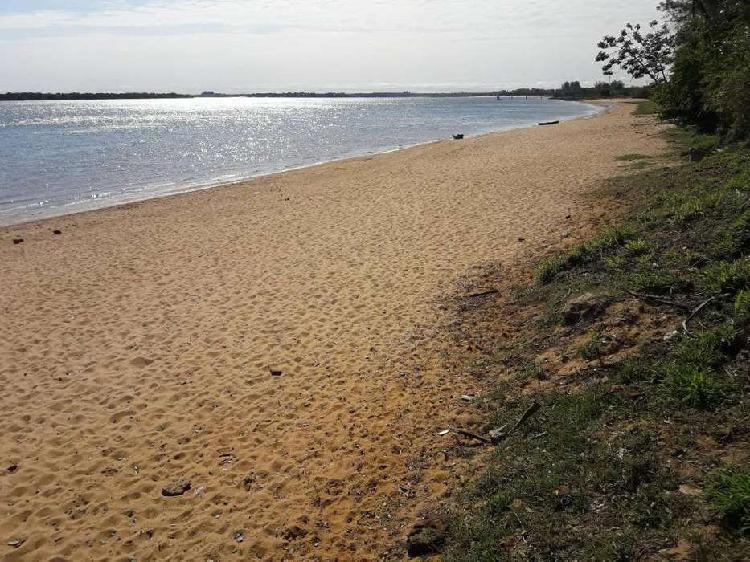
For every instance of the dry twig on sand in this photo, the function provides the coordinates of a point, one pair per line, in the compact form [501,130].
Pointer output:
[499,436]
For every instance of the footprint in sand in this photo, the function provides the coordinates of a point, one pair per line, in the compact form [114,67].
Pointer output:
[141,362]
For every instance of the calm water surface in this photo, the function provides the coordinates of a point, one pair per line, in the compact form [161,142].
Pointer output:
[63,157]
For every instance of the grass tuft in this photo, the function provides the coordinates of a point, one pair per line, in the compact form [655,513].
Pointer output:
[727,277]
[730,495]
[655,282]
[632,157]
[593,349]
[695,387]
[584,254]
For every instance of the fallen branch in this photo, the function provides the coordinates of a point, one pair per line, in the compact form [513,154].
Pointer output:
[697,311]
[486,293]
[530,411]
[657,298]
[500,437]
[471,435]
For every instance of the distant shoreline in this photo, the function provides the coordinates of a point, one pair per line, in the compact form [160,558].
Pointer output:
[97,96]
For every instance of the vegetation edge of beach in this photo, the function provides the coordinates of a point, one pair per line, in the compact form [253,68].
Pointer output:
[640,451]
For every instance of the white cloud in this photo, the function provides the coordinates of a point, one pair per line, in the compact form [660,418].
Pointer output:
[238,45]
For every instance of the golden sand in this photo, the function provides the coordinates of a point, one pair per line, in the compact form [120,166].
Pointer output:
[137,348]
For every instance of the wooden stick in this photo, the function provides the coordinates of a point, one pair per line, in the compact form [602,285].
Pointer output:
[530,411]
[483,294]
[658,299]
[471,435]
[696,311]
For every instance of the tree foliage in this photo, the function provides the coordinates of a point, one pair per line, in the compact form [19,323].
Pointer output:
[640,54]
[700,62]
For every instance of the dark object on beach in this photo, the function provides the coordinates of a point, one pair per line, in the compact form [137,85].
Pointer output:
[698,154]
[275,372]
[178,488]
[12,468]
[480,294]
[426,537]
[458,137]
[521,239]
[57,232]
[549,123]
[18,240]
[248,481]
[582,308]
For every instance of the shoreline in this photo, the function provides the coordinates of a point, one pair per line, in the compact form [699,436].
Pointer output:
[282,348]
[88,206]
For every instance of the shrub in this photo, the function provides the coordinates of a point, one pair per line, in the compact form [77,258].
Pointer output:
[593,349]
[547,270]
[727,277]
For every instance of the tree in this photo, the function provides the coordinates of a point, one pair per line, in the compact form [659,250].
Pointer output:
[639,54]
[713,11]
[710,86]
[572,90]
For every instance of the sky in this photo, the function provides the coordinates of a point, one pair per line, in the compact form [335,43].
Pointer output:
[237,46]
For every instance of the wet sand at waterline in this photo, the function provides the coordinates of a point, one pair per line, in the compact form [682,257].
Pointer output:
[142,345]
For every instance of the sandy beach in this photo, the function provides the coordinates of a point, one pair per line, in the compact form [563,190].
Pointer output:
[276,343]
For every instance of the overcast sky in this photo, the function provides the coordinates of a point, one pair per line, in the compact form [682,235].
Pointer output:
[261,45]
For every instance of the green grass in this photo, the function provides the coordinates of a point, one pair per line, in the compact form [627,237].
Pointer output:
[687,139]
[632,157]
[654,282]
[595,475]
[727,277]
[695,387]
[593,349]
[647,107]
[590,252]
[709,348]
[548,269]
[742,306]
[730,495]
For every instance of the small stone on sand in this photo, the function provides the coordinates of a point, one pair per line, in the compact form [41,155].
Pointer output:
[175,489]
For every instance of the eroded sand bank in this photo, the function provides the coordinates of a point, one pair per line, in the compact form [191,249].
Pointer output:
[136,347]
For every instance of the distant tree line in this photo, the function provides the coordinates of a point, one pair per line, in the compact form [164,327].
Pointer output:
[33,96]
[613,89]
[700,63]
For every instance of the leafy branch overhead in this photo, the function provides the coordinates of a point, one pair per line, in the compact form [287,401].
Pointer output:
[640,54]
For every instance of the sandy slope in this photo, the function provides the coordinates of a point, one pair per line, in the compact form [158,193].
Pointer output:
[136,348]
